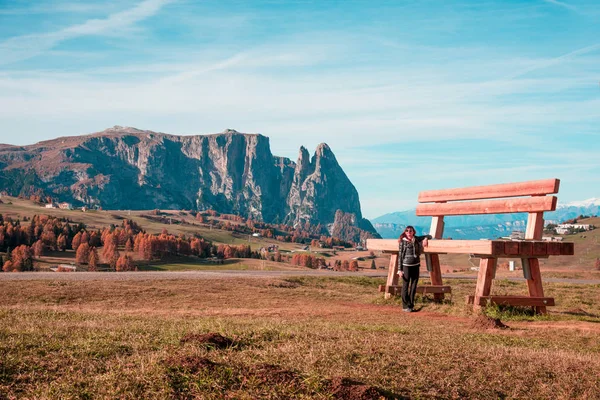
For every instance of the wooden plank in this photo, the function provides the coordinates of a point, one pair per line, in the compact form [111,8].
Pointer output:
[487,270]
[554,248]
[392,278]
[528,188]
[435,272]
[534,284]
[435,289]
[436,276]
[526,248]
[540,248]
[496,248]
[512,300]
[511,248]
[535,225]
[567,249]
[393,290]
[531,204]
[437,246]
[437,227]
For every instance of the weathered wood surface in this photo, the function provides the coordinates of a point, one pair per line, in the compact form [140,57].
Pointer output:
[496,248]
[485,276]
[435,270]
[513,301]
[529,204]
[424,289]
[529,188]
[392,278]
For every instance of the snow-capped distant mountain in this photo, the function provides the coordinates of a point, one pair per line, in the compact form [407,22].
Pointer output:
[481,226]
[594,201]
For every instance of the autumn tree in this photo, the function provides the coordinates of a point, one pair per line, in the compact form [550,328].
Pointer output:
[85,237]
[83,253]
[76,241]
[61,242]
[124,263]
[129,244]
[345,265]
[353,266]
[7,266]
[109,251]
[597,264]
[373,266]
[95,240]
[21,258]
[93,259]
[38,249]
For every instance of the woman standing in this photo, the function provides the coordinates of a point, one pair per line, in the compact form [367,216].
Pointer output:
[411,247]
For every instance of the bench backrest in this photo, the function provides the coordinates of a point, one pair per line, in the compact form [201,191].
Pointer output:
[457,202]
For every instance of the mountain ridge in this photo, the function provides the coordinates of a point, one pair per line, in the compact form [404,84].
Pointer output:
[232,172]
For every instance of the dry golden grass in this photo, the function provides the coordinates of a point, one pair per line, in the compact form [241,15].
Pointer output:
[123,339]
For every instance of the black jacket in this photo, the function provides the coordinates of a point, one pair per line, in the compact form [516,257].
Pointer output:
[418,247]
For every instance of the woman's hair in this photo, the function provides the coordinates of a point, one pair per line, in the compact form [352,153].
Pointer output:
[403,235]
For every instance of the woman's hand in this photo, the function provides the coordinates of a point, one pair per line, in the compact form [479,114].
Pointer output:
[425,242]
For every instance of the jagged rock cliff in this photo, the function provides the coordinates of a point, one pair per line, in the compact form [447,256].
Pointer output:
[231,172]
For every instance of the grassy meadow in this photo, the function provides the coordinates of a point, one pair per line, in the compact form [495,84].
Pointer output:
[295,337]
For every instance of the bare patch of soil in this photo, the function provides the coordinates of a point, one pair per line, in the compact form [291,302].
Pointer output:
[348,389]
[212,340]
[485,322]
[191,364]
[274,374]
[284,285]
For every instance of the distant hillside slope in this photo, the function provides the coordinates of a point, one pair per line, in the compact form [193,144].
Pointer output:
[480,226]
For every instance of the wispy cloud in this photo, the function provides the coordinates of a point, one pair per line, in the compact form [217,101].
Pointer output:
[555,61]
[562,4]
[24,47]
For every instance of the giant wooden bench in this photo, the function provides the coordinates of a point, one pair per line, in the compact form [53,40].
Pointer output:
[440,203]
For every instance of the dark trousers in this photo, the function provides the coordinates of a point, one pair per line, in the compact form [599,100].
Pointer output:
[410,278]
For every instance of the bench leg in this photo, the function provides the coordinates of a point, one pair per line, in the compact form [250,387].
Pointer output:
[487,271]
[534,283]
[436,276]
[392,279]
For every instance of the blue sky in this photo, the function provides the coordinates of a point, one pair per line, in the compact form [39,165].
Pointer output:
[410,95]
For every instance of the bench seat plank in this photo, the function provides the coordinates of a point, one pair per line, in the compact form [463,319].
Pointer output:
[495,248]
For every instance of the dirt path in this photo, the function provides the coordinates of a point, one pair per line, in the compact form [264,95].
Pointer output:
[182,275]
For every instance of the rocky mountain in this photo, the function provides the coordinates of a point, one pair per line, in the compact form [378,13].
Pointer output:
[231,172]
[481,226]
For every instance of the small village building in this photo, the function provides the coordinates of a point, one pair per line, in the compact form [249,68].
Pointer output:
[65,206]
[517,235]
[51,205]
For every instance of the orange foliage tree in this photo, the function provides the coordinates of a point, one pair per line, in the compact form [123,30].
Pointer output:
[93,259]
[83,253]
[124,263]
